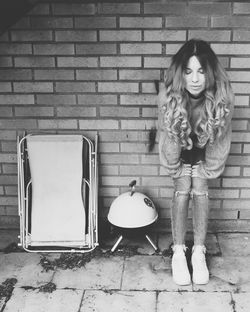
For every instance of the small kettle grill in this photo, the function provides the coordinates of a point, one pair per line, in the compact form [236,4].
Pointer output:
[132,210]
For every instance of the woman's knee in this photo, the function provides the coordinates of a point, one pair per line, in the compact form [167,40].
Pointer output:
[182,184]
[199,186]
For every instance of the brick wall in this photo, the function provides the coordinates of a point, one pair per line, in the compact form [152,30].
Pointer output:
[88,66]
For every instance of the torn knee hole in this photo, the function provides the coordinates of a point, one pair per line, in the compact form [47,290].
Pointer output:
[185,193]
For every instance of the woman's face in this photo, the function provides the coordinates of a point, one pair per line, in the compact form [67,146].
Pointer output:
[194,76]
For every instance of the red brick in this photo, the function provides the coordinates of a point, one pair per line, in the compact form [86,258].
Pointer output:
[231,171]
[230,21]
[77,61]
[120,35]
[236,204]
[120,61]
[235,160]
[95,22]
[242,113]
[5,87]
[73,9]
[230,182]
[72,87]
[6,112]
[119,8]
[231,48]
[7,158]
[220,193]
[18,124]
[53,49]
[55,99]
[96,49]
[34,61]
[209,9]
[11,99]
[241,8]
[40,9]
[8,201]
[172,8]
[242,88]
[237,126]
[15,48]
[96,74]
[51,22]
[54,74]
[57,124]
[246,173]
[119,87]
[6,61]
[210,35]
[141,48]
[8,179]
[9,146]
[119,181]
[76,111]
[109,148]
[119,159]
[139,170]
[246,149]
[140,22]
[137,124]
[238,62]
[240,137]
[22,23]
[136,148]
[150,112]
[241,35]
[97,99]
[7,135]
[241,100]
[186,21]
[11,190]
[75,35]
[148,87]
[98,124]
[164,35]
[239,75]
[157,62]
[236,148]
[34,111]
[35,35]
[141,74]
[138,99]
[122,136]
[30,87]
[112,111]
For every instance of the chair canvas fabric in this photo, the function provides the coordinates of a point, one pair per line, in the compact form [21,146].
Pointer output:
[56,169]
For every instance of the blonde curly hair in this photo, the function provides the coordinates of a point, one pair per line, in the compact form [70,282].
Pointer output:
[218,96]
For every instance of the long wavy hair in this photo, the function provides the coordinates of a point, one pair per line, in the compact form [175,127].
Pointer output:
[218,96]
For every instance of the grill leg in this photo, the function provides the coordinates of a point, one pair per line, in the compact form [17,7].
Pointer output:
[117,243]
[151,242]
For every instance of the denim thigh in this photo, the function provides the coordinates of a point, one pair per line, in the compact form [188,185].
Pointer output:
[182,184]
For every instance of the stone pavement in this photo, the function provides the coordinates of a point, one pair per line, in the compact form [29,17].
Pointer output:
[124,282]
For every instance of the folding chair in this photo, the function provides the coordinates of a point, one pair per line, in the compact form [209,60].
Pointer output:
[57,191]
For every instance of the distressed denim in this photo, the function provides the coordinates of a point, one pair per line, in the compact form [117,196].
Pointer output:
[186,188]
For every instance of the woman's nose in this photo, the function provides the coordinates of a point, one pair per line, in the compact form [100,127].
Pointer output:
[194,77]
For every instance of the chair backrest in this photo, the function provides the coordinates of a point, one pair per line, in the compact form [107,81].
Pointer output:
[56,167]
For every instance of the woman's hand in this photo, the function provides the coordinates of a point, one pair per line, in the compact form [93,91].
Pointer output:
[186,170]
[194,173]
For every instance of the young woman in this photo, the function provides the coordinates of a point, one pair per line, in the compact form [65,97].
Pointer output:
[195,111]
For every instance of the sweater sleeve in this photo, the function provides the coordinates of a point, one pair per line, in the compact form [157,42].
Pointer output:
[169,150]
[217,153]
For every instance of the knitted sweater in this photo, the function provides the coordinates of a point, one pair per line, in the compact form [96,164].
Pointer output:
[215,154]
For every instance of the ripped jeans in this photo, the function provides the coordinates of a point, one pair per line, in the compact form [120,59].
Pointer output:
[186,187]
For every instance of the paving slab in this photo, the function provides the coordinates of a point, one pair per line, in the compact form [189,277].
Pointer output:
[194,302]
[62,300]
[228,274]
[118,301]
[234,244]
[149,273]
[242,302]
[24,267]
[99,273]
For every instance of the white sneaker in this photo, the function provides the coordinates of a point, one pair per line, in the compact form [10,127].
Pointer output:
[198,260]
[181,275]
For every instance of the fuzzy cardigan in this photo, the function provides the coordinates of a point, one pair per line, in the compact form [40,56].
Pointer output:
[215,154]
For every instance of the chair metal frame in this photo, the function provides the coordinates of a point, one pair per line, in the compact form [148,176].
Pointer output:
[24,193]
